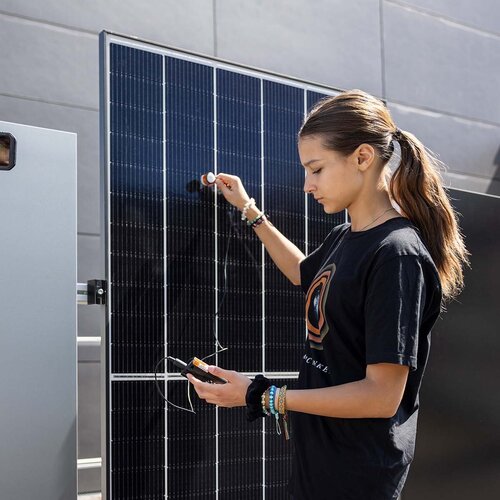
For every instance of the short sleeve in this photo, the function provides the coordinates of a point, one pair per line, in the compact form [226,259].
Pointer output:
[310,266]
[312,263]
[393,309]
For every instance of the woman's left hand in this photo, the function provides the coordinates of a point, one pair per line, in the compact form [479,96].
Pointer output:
[228,395]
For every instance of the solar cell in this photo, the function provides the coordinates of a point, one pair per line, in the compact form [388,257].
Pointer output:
[189,212]
[191,447]
[283,109]
[136,209]
[240,456]
[138,444]
[238,118]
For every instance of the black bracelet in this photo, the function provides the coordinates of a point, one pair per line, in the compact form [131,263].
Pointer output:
[260,220]
[253,397]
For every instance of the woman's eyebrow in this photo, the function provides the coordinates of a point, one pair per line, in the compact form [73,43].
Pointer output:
[307,163]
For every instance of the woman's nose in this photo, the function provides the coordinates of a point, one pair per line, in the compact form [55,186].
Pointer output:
[308,185]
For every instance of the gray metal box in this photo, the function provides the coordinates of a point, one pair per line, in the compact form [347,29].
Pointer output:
[38,427]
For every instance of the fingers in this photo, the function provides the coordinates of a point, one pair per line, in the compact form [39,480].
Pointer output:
[232,189]
[208,392]
[221,373]
[228,179]
[227,183]
[226,395]
[196,384]
[223,187]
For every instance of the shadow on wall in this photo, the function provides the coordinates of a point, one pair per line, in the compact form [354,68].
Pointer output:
[494,187]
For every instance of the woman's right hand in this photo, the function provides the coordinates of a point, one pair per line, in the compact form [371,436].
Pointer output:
[232,189]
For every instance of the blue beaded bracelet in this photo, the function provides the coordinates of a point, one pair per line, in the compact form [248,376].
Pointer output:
[272,393]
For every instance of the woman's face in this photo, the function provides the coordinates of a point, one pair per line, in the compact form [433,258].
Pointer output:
[334,180]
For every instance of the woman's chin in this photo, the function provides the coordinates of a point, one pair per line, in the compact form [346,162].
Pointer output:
[330,209]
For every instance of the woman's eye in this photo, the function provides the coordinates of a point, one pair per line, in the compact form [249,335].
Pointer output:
[317,171]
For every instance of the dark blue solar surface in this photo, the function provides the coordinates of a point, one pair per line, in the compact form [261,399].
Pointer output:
[190,219]
[239,153]
[285,202]
[240,456]
[169,125]
[136,209]
[191,446]
[138,444]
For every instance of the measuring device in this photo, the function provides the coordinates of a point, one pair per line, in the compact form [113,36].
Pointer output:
[198,368]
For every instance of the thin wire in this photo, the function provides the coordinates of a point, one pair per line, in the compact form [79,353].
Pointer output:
[222,348]
[163,395]
[234,228]
[242,240]
[224,292]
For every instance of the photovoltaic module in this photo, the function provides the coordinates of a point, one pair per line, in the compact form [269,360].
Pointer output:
[183,270]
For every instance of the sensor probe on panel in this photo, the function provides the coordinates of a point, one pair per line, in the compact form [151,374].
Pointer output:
[208,179]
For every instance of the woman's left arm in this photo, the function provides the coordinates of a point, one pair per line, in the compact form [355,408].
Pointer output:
[378,395]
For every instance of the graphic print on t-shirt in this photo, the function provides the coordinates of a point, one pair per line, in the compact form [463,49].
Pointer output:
[317,325]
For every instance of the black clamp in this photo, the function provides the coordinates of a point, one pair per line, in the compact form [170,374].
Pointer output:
[97,292]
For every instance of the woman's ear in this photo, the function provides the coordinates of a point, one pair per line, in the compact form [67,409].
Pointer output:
[364,154]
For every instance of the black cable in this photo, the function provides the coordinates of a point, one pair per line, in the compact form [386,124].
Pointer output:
[224,294]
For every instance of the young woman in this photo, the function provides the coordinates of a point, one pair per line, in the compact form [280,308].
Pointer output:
[374,290]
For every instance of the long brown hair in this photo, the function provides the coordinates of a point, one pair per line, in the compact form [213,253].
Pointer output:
[355,117]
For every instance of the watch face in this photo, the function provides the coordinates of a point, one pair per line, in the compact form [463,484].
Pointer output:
[7,151]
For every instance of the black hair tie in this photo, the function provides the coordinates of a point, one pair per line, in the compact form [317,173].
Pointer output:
[397,135]
[253,397]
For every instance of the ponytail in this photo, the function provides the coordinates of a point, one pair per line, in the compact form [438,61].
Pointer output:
[417,187]
[355,117]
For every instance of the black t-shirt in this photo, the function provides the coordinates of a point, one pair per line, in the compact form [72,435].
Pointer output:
[371,297]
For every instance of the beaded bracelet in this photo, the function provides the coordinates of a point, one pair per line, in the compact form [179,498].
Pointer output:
[259,389]
[253,221]
[272,395]
[246,206]
[276,400]
[263,403]
[282,401]
[262,217]
[282,412]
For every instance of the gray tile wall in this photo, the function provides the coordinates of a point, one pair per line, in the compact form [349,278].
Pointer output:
[482,15]
[437,62]
[330,42]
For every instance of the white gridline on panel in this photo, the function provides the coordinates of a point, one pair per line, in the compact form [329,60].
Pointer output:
[165,332]
[216,277]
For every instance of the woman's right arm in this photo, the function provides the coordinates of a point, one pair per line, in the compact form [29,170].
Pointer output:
[283,252]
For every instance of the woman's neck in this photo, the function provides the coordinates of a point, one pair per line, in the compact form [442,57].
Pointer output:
[372,213]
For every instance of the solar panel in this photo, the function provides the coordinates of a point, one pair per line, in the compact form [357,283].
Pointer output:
[186,275]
